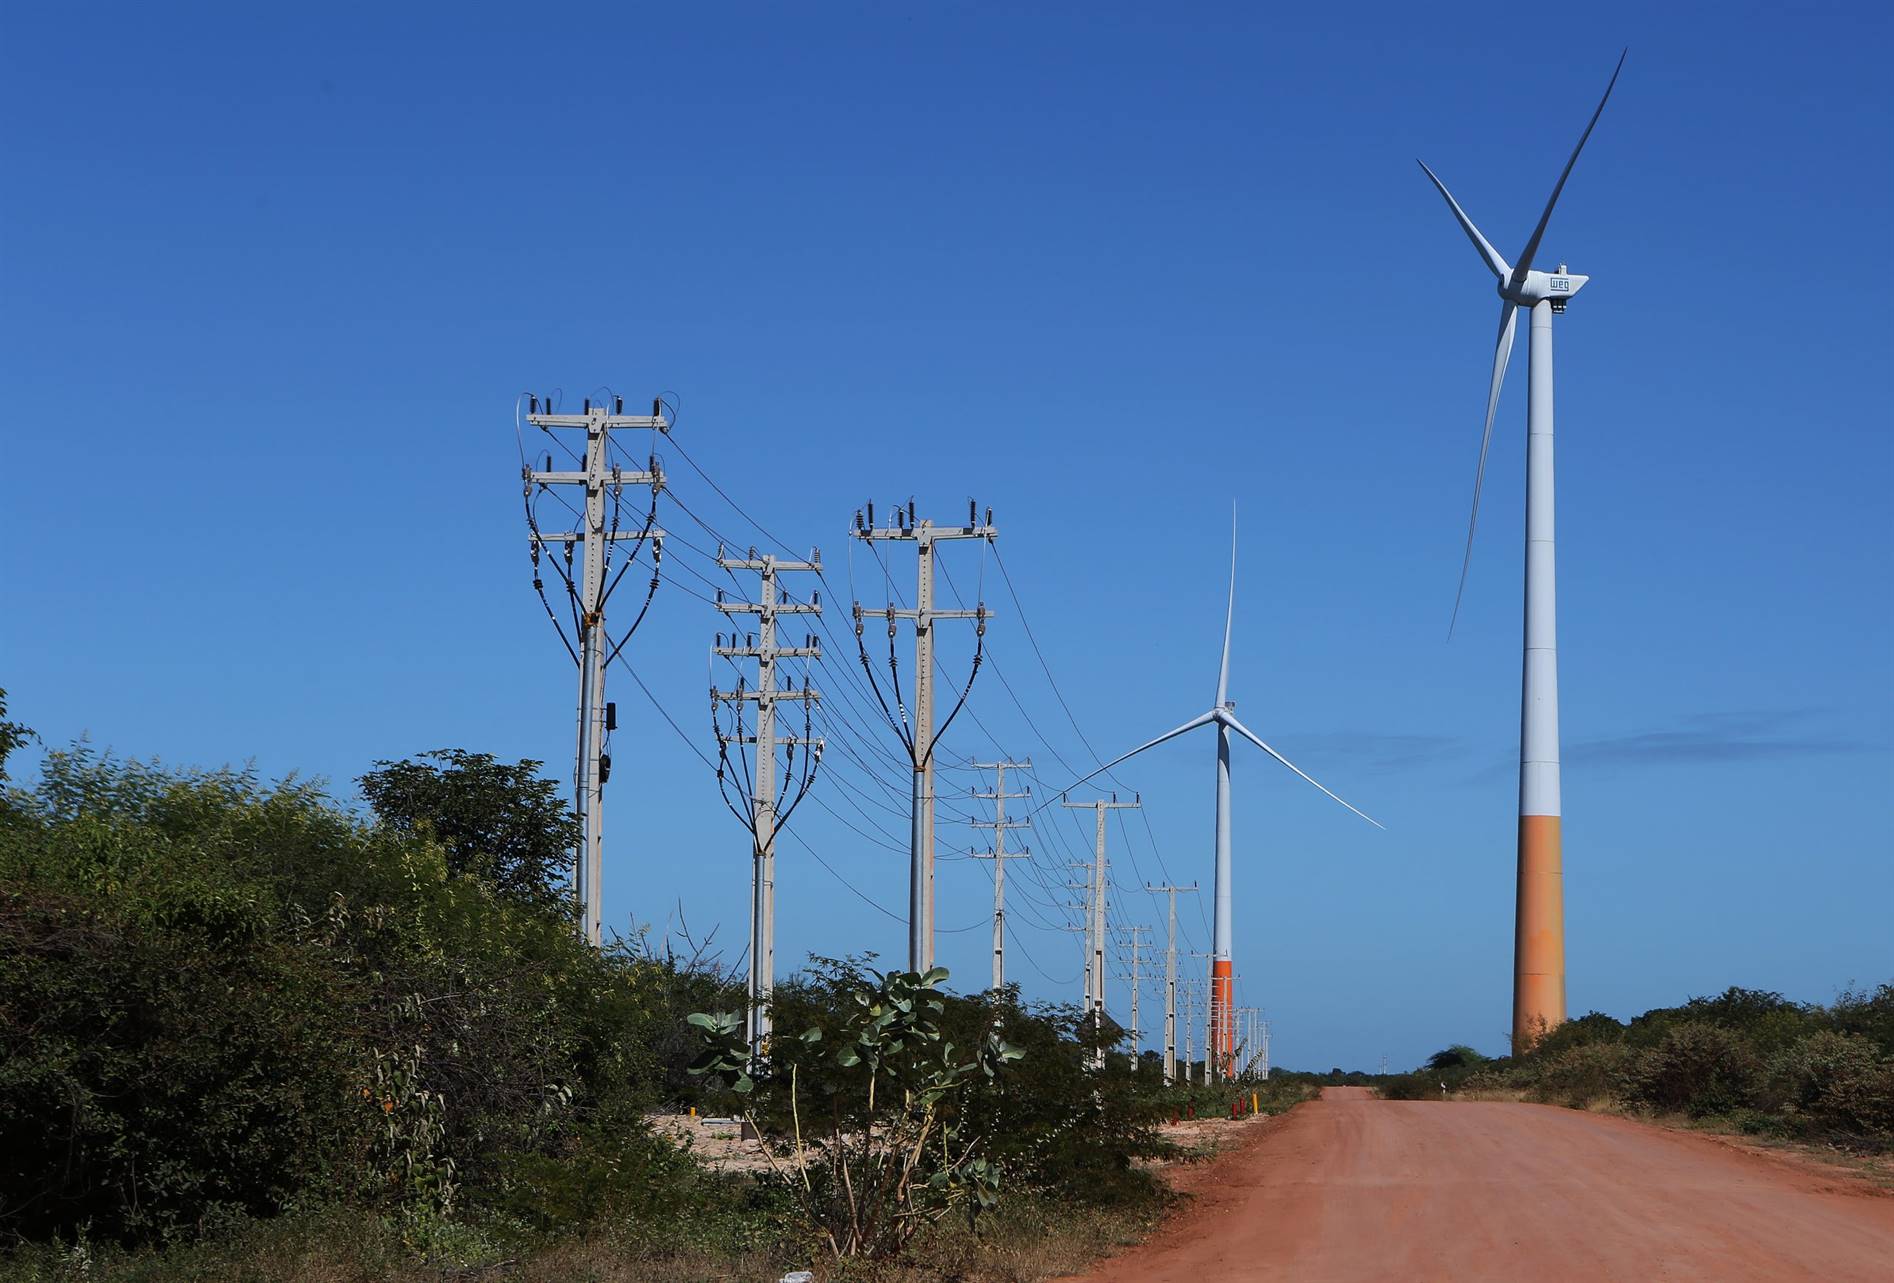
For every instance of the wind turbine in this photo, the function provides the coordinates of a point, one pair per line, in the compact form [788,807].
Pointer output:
[1539,928]
[1222,715]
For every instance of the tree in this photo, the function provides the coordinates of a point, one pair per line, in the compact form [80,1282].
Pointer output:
[502,824]
[12,735]
[1458,1056]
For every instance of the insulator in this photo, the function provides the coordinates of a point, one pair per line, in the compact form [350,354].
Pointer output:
[871,514]
[910,514]
[588,405]
[720,596]
[532,405]
[858,519]
[989,515]
[972,512]
[752,552]
[618,405]
[549,463]
[611,715]
[815,598]
[538,584]
[604,767]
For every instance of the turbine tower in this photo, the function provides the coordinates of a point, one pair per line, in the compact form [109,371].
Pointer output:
[1222,715]
[1539,928]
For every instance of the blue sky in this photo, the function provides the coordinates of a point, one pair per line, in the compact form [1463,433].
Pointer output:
[273,279]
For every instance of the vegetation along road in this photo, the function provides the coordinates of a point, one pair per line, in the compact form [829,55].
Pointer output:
[1351,1187]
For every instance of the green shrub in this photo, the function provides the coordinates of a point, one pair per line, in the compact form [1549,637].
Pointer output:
[1583,1072]
[1835,1081]
[218,994]
[1869,1013]
[1697,1069]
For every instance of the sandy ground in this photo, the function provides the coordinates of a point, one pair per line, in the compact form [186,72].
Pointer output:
[717,1143]
[1351,1187]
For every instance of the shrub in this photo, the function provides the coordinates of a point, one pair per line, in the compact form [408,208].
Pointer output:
[890,1147]
[1860,1099]
[1582,1073]
[1697,1069]
[1835,1081]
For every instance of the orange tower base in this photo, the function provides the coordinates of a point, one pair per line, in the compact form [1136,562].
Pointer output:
[1539,933]
[1222,1027]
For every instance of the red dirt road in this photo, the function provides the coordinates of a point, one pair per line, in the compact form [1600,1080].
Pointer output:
[1351,1187]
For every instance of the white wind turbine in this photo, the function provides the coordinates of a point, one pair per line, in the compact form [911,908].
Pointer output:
[1222,715]
[1539,930]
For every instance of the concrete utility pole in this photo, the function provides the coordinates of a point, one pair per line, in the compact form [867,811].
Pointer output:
[1136,935]
[1098,807]
[589,590]
[1265,1049]
[1209,1013]
[1190,1022]
[922,736]
[1084,908]
[1000,855]
[1170,979]
[764,796]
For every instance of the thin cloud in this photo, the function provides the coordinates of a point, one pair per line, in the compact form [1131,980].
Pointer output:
[1744,736]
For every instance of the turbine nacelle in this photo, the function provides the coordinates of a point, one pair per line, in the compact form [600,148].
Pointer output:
[1539,286]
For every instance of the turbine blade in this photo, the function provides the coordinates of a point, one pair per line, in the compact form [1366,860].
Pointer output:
[1202,719]
[1502,352]
[1250,735]
[1487,253]
[1229,614]
[1538,233]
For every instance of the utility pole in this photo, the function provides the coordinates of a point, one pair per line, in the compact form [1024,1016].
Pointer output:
[1136,935]
[1170,979]
[762,813]
[1098,807]
[1084,909]
[1209,1012]
[1000,855]
[589,588]
[1265,1050]
[922,735]
[1190,1022]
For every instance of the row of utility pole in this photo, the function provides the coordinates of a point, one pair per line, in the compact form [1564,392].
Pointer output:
[780,767]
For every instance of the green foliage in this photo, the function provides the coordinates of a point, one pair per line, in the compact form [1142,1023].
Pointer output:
[891,1147]
[503,824]
[1869,1013]
[217,995]
[1458,1056]
[1697,1068]
[1753,1059]
[228,1004]
[1582,1072]
[1838,1081]
[12,736]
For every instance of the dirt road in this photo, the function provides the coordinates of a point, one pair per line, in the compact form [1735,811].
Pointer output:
[1351,1187]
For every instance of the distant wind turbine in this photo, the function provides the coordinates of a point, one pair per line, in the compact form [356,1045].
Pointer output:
[1539,929]
[1222,715]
